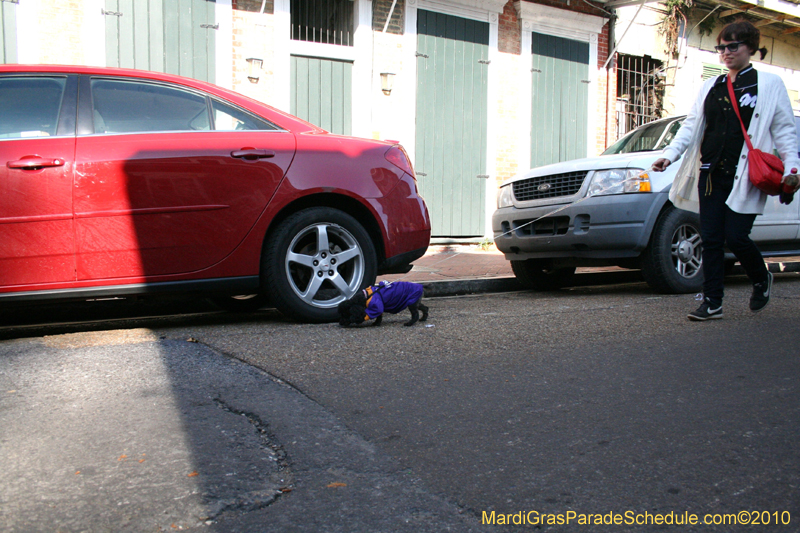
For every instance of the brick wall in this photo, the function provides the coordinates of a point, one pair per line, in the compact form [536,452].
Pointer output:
[578,6]
[254,6]
[380,11]
[509,40]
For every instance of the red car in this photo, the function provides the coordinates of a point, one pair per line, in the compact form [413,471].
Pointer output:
[122,182]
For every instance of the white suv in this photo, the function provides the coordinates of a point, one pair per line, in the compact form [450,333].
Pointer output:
[606,216]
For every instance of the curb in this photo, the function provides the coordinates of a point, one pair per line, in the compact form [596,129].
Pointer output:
[470,286]
[460,287]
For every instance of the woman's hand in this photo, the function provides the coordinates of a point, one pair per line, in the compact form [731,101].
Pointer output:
[661,164]
[791,182]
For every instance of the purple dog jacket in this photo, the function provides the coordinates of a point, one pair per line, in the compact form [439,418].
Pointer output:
[391,297]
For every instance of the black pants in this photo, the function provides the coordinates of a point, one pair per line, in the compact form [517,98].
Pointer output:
[720,225]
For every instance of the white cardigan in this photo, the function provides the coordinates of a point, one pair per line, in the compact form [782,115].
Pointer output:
[772,125]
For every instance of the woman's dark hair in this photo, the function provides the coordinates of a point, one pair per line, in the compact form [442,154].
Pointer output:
[743,31]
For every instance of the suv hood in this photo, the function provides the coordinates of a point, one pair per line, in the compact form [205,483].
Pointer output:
[601,162]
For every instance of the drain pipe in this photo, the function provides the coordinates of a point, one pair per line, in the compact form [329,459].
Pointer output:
[612,22]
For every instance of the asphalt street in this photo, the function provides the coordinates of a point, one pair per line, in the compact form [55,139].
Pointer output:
[129,430]
[593,400]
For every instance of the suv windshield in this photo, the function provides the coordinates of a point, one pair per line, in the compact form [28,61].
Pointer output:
[646,138]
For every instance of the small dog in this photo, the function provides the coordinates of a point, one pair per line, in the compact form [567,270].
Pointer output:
[389,297]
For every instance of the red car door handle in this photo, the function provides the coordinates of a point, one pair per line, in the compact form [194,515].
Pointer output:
[251,153]
[34,163]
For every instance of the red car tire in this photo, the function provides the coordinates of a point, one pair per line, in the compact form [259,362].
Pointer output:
[314,260]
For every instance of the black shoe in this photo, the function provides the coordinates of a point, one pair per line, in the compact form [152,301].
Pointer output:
[706,311]
[761,291]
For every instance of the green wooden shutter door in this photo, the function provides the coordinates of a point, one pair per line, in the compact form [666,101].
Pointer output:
[8,32]
[173,36]
[451,117]
[559,111]
[321,93]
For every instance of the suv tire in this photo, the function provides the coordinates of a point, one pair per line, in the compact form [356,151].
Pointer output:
[673,263]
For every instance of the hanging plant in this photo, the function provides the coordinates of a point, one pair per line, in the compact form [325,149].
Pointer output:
[674,18]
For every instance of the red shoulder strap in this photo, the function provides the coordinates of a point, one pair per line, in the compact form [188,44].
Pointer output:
[736,109]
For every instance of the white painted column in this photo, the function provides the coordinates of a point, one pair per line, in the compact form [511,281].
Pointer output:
[362,70]
[594,72]
[282,66]
[492,124]
[223,58]
[408,81]
[28,32]
[94,34]
[525,99]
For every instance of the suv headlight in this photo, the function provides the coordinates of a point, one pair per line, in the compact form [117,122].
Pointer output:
[619,181]
[505,196]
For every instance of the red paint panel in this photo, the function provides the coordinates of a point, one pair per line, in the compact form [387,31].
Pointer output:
[405,216]
[168,203]
[36,227]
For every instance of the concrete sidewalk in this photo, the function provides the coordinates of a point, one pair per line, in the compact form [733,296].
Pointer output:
[460,269]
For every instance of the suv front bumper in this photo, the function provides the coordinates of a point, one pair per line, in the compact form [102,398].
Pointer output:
[601,227]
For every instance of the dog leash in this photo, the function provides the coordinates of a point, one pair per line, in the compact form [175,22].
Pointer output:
[551,213]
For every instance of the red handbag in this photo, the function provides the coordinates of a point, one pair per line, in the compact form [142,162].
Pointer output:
[765,170]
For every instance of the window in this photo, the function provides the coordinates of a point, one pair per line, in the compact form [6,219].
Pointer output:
[323,21]
[29,106]
[132,106]
[229,118]
[655,136]
[640,91]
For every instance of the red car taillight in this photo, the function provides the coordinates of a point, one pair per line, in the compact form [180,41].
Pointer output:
[397,156]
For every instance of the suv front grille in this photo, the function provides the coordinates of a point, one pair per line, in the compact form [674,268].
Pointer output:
[552,186]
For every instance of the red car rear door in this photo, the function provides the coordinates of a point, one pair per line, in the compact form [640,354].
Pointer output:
[37,147]
[157,190]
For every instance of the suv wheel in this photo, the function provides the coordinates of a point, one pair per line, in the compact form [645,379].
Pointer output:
[314,260]
[539,274]
[673,261]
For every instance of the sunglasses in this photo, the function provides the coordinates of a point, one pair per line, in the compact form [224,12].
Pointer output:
[732,47]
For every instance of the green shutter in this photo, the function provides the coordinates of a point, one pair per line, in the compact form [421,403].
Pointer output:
[560,99]
[322,92]
[711,71]
[451,118]
[173,36]
[8,32]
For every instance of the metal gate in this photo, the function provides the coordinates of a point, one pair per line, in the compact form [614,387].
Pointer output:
[8,32]
[559,110]
[322,93]
[450,149]
[173,36]
[640,91]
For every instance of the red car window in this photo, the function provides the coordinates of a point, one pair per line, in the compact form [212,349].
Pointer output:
[29,106]
[135,106]
[230,118]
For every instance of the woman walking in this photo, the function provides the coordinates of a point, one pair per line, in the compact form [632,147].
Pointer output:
[713,179]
